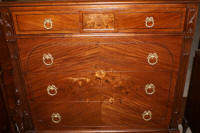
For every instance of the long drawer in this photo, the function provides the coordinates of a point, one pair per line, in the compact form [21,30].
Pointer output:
[124,114]
[47,55]
[150,87]
[111,19]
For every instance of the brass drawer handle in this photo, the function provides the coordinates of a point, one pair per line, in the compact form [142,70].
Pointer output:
[48,59]
[56,118]
[111,100]
[152,59]
[48,24]
[150,89]
[147,115]
[100,74]
[149,22]
[52,90]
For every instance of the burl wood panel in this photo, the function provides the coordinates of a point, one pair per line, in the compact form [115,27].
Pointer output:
[98,22]
[33,22]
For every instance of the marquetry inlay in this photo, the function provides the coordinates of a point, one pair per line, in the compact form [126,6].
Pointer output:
[98,21]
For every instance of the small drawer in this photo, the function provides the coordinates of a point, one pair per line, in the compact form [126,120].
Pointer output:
[47,22]
[150,21]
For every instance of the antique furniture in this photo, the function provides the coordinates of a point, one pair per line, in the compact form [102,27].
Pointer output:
[97,66]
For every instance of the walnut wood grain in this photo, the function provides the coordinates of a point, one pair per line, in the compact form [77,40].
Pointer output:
[32,22]
[120,61]
[92,53]
[97,115]
[115,84]
[135,21]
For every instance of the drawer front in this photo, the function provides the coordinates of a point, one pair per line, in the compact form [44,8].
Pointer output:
[124,114]
[47,23]
[82,87]
[114,101]
[136,54]
[109,19]
[166,21]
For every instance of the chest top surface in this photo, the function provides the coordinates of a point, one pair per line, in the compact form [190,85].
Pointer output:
[83,2]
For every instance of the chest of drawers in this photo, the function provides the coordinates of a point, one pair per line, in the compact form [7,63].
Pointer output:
[96,66]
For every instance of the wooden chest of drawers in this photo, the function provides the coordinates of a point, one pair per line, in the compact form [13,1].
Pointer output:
[97,66]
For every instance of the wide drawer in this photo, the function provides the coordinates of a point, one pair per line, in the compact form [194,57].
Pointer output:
[112,19]
[144,87]
[138,53]
[124,114]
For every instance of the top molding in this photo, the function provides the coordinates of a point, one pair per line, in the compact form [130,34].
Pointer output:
[89,2]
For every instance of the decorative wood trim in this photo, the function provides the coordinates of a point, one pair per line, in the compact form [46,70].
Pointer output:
[16,100]
[177,115]
[5,20]
[91,2]
[192,11]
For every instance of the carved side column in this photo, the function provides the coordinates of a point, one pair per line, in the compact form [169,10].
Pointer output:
[14,94]
[189,33]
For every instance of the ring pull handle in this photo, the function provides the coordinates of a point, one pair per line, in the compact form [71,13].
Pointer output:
[52,90]
[56,118]
[48,24]
[150,89]
[152,59]
[149,22]
[100,74]
[147,115]
[111,100]
[48,59]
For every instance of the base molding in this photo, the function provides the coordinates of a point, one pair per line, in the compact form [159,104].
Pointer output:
[104,131]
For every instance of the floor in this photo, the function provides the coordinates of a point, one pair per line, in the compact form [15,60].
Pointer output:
[181,129]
